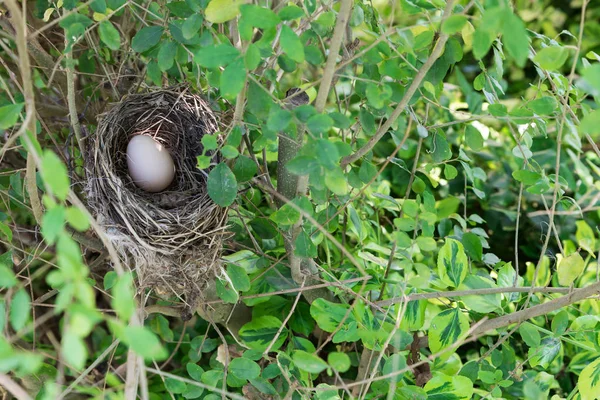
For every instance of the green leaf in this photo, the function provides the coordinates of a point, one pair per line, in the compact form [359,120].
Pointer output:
[222,185]
[10,114]
[244,169]
[309,362]
[77,219]
[145,343]
[569,268]
[319,123]
[452,263]
[226,292]
[447,328]
[6,231]
[527,177]
[291,44]
[473,246]
[219,11]
[285,216]
[109,35]
[175,386]
[585,237]
[7,277]
[498,110]
[530,334]
[560,322]
[110,279]
[146,38]
[328,315]
[191,26]
[279,119]
[515,37]
[473,138]
[545,353]
[395,362]
[154,73]
[590,123]
[74,350]
[589,381]
[339,361]
[54,173]
[551,58]
[481,303]
[450,172]
[20,309]
[215,56]
[291,12]
[244,368]
[252,57]
[259,333]
[194,371]
[98,6]
[233,79]
[209,142]
[203,162]
[123,301]
[239,278]
[259,17]
[53,223]
[441,149]
[336,181]
[166,55]
[482,41]
[543,106]
[442,386]
[453,24]
[304,246]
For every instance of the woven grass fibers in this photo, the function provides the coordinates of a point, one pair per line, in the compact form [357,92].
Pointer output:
[173,238]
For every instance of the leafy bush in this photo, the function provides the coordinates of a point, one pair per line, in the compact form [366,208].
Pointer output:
[416,213]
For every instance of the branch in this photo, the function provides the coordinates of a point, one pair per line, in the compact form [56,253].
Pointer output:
[334,49]
[71,102]
[297,264]
[540,309]
[471,292]
[435,54]
[13,388]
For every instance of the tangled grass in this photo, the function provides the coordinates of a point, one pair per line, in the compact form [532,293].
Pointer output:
[173,238]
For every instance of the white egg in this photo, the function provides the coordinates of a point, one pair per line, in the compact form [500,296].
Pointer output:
[150,165]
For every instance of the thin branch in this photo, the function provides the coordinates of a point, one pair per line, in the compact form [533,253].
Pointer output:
[31,182]
[470,292]
[71,99]
[416,83]
[334,50]
[13,388]
[540,309]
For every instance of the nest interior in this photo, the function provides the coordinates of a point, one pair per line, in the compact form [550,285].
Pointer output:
[174,237]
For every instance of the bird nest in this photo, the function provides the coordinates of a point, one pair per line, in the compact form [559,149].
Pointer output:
[173,238]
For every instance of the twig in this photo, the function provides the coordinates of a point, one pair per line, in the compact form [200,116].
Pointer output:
[89,369]
[266,352]
[323,93]
[470,292]
[13,387]
[31,182]
[71,102]
[540,309]
[416,83]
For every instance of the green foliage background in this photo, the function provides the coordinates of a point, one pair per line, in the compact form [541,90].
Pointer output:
[424,227]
